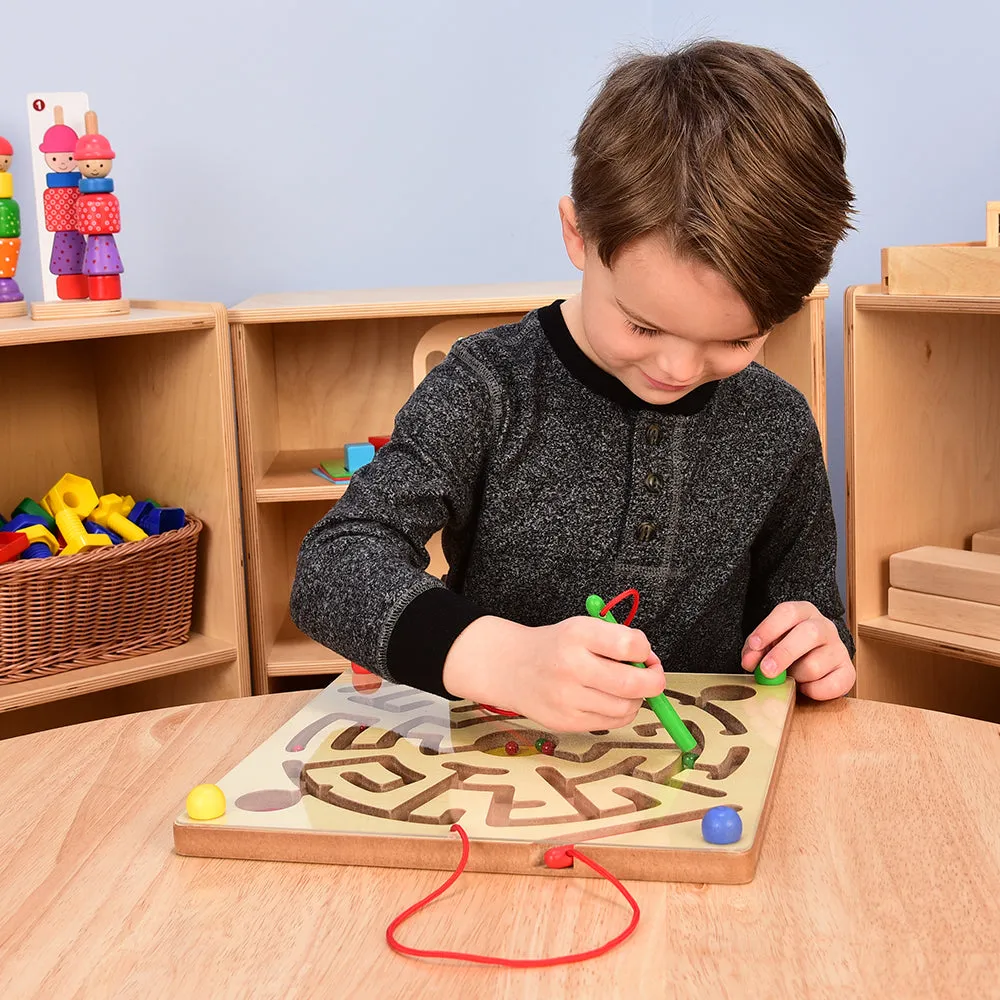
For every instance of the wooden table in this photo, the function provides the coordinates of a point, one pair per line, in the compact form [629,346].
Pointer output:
[880,876]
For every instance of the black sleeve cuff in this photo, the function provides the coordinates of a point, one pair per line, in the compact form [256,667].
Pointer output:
[424,634]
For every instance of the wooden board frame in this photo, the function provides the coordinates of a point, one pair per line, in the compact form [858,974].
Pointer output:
[742,735]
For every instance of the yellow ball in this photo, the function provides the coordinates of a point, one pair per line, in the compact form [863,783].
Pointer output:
[206,802]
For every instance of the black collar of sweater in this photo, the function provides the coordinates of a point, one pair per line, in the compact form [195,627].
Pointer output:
[604,383]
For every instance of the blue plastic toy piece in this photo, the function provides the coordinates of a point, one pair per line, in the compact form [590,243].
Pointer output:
[96,185]
[161,519]
[721,825]
[36,550]
[139,511]
[57,180]
[25,521]
[98,529]
[356,455]
[154,519]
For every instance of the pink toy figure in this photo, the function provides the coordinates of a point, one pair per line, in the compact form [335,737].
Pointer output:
[59,202]
[11,297]
[98,215]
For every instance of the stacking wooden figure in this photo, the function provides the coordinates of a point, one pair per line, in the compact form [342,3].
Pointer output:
[11,297]
[98,214]
[948,588]
[59,203]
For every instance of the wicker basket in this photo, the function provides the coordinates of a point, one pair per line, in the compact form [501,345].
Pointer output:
[77,611]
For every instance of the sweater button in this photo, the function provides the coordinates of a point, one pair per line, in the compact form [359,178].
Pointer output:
[653,483]
[646,531]
[653,434]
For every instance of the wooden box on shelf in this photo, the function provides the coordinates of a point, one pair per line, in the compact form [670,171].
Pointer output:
[140,403]
[315,371]
[947,269]
[922,441]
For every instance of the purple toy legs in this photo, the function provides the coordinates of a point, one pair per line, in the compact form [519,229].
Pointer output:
[102,256]
[9,292]
[67,252]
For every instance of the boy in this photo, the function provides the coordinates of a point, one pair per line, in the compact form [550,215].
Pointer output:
[622,438]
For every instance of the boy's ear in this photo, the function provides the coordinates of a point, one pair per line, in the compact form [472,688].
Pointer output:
[571,233]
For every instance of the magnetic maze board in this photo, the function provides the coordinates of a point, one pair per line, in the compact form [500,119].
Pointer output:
[377,774]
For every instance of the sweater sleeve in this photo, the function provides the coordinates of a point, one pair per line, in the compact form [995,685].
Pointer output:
[361,586]
[794,557]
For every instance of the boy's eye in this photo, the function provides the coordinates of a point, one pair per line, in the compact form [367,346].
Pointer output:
[643,331]
[745,344]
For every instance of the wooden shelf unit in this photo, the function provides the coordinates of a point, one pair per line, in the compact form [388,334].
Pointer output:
[922,440]
[139,403]
[317,370]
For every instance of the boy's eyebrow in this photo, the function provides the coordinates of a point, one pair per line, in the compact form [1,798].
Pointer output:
[652,326]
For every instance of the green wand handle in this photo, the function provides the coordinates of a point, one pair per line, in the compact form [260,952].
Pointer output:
[660,704]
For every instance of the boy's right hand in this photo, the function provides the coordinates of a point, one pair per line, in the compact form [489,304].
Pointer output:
[567,677]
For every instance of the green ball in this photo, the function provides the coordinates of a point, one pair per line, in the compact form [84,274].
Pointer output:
[539,743]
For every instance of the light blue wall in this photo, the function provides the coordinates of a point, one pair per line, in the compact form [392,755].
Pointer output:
[308,144]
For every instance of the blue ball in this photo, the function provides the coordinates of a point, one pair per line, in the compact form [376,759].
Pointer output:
[721,825]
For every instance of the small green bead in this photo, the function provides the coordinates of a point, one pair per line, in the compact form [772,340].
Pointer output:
[538,743]
[10,219]
[688,759]
[761,678]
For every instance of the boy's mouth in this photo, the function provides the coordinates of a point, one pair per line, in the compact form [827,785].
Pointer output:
[666,386]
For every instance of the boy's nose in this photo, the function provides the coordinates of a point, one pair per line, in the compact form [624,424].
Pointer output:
[679,367]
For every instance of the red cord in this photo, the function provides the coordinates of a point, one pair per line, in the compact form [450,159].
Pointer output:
[631,592]
[510,963]
[499,711]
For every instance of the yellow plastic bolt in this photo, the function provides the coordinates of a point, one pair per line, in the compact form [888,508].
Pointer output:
[71,499]
[72,493]
[109,514]
[77,539]
[39,533]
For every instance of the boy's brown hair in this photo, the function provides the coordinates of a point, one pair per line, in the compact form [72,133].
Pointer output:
[731,153]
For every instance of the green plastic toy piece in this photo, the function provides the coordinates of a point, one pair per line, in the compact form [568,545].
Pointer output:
[29,506]
[761,678]
[335,470]
[10,219]
[659,703]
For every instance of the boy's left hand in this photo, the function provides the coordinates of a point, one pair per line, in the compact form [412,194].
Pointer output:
[797,638]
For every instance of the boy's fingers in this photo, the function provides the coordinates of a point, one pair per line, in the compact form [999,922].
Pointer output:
[832,685]
[779,622]
[622,680]
[616,642]
[802,639]
[817,663]
[615,711]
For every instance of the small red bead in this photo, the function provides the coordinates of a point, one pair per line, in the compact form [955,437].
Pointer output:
[548,748]
[512,747]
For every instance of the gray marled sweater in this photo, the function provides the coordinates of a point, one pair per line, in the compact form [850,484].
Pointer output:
[553,481]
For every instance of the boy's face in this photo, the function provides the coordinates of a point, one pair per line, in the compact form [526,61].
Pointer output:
[660,324]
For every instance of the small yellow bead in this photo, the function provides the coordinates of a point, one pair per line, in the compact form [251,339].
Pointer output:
[206,802]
